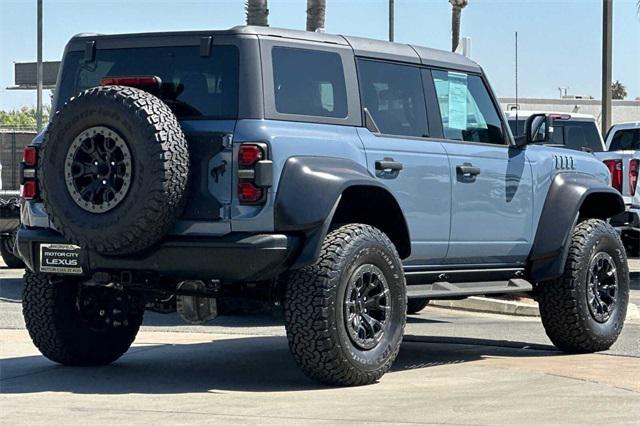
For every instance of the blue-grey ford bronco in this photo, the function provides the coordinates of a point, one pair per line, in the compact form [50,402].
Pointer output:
[348,180]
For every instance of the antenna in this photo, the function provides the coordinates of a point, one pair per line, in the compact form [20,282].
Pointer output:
[517,104]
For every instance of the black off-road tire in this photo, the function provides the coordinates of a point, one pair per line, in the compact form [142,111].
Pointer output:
[416,305]
[51,314]
[159,161]
[7,247]
[564,308]
[314,308]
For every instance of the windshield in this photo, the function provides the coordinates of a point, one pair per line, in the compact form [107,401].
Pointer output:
[572,134]
[625,139]
[199,87]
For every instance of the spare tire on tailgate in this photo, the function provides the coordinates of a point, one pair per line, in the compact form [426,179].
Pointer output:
[113,170]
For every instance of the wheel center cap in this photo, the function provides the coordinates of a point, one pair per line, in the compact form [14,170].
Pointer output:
[104,170]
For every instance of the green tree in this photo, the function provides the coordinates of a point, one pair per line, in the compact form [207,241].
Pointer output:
[316,10]
[618,90]
[456,12]
[257,12]
[23,118]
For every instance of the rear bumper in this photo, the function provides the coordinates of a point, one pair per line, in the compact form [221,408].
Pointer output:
[234,257]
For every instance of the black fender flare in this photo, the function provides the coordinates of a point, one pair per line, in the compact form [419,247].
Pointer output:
[570,197]
[309,192]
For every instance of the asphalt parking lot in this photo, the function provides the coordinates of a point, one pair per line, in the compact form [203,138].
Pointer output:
[454,367]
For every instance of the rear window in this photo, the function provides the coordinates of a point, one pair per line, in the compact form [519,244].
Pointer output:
[199,87]
[309,82]
[572,134]
[625,139]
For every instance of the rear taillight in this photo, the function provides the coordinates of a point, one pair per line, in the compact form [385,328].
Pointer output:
[634,170]
[254,173]
[249,154]
[29,189]
[615,168]
[30,156]
[248,193]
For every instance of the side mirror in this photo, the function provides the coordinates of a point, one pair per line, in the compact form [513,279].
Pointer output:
[538,129]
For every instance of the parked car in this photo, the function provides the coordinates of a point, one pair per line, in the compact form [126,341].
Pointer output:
[574,131]
[336,176]
[622,157]
[9,221]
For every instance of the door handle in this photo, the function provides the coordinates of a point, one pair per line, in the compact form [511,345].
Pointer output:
[388,164]
[467,169]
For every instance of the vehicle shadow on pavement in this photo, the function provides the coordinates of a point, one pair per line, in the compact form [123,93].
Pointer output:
[11,289]
[251,364]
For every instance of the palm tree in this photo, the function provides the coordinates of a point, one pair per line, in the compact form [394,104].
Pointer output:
[316,10]
[618,90]
[456,11]
[257,12]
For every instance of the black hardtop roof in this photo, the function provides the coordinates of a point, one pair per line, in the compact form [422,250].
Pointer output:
[365,47]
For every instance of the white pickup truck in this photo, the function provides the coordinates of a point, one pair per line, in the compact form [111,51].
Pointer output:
[622,157]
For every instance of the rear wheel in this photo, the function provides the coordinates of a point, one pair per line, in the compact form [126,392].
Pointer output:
[416,305]
[73,324]
[345,314]
[584,310]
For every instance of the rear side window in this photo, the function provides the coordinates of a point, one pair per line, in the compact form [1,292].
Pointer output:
[194,86]
[625,139]
[394,96]
[309,82]
[467,112]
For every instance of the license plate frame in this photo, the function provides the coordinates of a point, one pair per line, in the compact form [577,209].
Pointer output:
[60,259]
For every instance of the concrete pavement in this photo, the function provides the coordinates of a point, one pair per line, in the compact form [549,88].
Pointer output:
[454,368]
[207,378]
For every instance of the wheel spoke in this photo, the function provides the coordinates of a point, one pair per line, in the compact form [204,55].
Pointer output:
[374,301]
[371,322]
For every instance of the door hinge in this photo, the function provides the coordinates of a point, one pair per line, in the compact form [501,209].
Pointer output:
[227,140]
[225,212]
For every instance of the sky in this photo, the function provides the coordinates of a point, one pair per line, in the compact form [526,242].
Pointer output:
[559,40]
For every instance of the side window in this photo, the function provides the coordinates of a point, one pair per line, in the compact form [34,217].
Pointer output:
[308,82]
[625,139]
[394,96]
[467,112]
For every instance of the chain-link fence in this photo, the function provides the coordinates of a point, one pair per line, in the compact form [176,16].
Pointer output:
[12,142]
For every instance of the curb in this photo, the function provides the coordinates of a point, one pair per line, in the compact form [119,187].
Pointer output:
[494,306]
[508,307]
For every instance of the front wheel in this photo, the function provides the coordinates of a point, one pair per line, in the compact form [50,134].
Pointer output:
[584,310]
[74,324]
[345,314]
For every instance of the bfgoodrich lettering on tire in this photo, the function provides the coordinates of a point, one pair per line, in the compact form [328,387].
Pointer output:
[113,170]
[584,310]
[345,314]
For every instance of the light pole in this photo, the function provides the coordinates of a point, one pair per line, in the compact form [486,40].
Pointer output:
[607,24]
[391,19]
[39,69]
